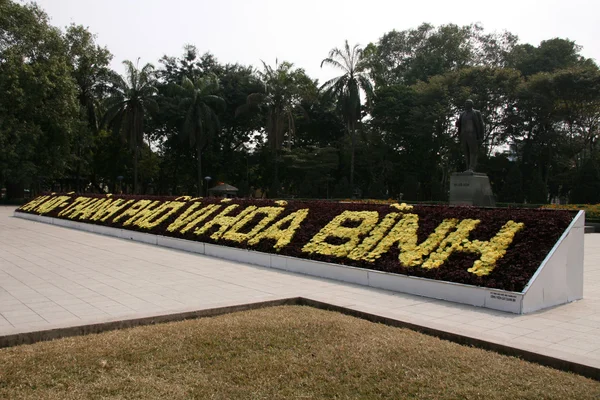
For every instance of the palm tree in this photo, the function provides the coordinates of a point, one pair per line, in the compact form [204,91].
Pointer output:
[201,105]
[130,100]
[284,89]
[347,89]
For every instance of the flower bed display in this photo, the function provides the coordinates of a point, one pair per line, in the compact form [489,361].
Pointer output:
[592,211]
[493,248]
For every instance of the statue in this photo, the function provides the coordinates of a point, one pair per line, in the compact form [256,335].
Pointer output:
[470,132]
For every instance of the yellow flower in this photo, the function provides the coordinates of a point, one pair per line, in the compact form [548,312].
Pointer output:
[453,242]
[51,204]
[141,212]
[189,219]
[494,249]
[335,229]
[33,204]
[270,213]
[154,218]
[362,251]
[132,210]
[491,251]
[223,221]
[405,234]
[401,207]
[283,236]
[355,235]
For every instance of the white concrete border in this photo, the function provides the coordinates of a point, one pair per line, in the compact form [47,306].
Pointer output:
[558,280]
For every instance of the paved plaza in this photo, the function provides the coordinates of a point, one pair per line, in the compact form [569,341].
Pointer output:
[52,277]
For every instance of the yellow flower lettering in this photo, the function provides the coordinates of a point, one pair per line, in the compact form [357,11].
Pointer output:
[362,250]
[491,251]
[318,244]
[51,204]
[405,234]
[30,206]
[77,205]
[156,217]
[87,209]
[283,236]
[105,213]
[134,209]
[270,213]
[454,242]
[190,218]
[224,221]
[143,212]
[494,249]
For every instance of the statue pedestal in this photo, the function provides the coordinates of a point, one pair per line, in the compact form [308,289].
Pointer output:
[471,189]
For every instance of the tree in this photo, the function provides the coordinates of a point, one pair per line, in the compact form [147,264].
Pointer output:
[201,121]
[549,56]
[347,89]
[554,125]
[405,57]
[190,65]
[311,168]
[38,105]
[284,90]
[226,156]
[127,107]
[587,184]
[536,189]
[493,90]
[512,190]
[90,69]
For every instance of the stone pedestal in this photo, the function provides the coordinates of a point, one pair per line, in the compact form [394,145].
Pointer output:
[471,189]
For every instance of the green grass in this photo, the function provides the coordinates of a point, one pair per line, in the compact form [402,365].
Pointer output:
[288,352]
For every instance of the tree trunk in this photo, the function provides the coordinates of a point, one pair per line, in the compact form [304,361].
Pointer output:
[275,183]
[78,185]
[353,146]
[135,170]
[175,174]
[199,155]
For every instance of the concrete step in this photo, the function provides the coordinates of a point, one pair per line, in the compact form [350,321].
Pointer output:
[589,229]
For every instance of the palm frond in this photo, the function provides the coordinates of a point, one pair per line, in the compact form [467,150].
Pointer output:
[187,84]
[335,85]
[333,63]
[215,101]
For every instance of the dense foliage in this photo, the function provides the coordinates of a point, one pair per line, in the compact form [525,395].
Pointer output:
[383,128]
[495,248]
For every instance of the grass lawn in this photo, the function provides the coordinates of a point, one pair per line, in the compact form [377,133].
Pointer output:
[285,352]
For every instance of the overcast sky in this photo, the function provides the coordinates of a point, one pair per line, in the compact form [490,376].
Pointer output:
[303,32]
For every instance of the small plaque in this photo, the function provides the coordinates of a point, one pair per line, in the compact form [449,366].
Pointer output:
[503,296]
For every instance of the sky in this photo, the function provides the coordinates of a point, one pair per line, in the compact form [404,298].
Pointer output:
[303,32]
